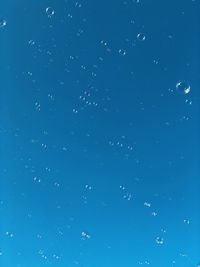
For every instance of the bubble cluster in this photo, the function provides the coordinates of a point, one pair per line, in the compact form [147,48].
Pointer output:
[183,87]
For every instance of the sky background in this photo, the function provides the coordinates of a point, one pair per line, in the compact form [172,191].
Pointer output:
[99,143]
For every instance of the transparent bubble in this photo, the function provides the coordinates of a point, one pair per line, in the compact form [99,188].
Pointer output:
[141,37]
[9,234]
[85,235]
[146,204]
[183,87]
[2,23]
[50,12]
[122,52]
[159,240]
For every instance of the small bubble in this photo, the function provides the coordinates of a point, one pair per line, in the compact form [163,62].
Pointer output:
[31,42]
[159,240]
[183,87]
[122,52]
[2,23]
[85,236]
[9,234]
[141,37]
[186,221]
[189,102]
[88,187]
[104,43]
[146,204]
[50,12]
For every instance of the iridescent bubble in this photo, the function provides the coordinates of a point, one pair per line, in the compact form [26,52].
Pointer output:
[183,87]
[2,23]
[50,12]
[141,37]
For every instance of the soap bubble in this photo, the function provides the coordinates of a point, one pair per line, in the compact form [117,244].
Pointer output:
[141,37]
[183,87]
[50,12]
[2,23]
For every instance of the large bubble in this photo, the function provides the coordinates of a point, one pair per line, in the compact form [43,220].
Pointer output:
[183,87]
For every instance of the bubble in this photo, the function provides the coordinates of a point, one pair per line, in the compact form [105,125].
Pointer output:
[183,87]
[159,240]
[85,235]
[9,234]
[31,42]
[186,221]
[50,12]
[141,37]
[2,23]
[146,204]
[88,187]
[122,52]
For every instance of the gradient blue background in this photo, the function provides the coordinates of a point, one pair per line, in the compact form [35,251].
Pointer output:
[88,135]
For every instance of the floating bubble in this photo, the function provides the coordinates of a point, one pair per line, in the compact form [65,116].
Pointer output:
[9,234]
[85,235]
[141,37]
[31,42]
[183,87]
[88,187]
[50,12]
[186,221]
[146,204]
[2,23]
[122,52]
[159,240]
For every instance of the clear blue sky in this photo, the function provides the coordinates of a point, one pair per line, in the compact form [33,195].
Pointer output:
[99,142]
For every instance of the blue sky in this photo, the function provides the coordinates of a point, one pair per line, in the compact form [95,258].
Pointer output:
[99,133]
